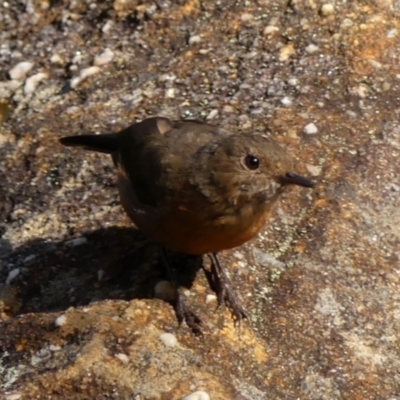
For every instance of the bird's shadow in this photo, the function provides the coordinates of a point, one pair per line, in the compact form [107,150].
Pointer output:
[111,263]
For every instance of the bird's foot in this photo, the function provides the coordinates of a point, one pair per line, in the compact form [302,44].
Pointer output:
[225,293]
[185,313]
[182,310]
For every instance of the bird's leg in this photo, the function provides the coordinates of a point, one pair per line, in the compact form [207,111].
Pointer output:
[223,287]
[182,310]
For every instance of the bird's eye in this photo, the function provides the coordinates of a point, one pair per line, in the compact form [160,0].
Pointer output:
[252,162]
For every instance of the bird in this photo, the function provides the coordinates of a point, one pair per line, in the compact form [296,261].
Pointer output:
[196,188]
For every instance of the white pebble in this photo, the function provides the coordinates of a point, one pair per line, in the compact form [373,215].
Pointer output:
[185,291]
[392,33]
[361,90]
[33,81]
[61,320]
[312,48]
[314,170]
[168,339]
[246,17]
[352,114]
[310,129]
[14,396]
[212,114]
[122,357]
[85,73]
[199,395]
[195,39]
[20,70]
[170,93]
[287,101]
[78,58]
[107,26]
[270,29]
[211,298]
[375,64]
[266,259]
[167,77]
[12,275]
[54,348]
[76,242]
[327,9]
[104,58]
[56,59]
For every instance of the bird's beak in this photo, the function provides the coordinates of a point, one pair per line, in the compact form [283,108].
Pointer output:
[293,179]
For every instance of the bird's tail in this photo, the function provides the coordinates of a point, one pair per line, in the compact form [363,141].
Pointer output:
[106,143]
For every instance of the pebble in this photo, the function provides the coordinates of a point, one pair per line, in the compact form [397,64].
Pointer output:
[194,39]
[85,73]
[167,77]
[122,357]
[287,101]
[212,114]
[76,242]
[137,97]
[29,258]
[61,320]
[211,298]
[314,170]
[361,90]
[56,59]
[228,109]
[270,29]
[310,129]
[33,81]
[286,52]
[199,395]
[164,290]
[100,274]
[168,339]
[170,93]
[107,26]
[312,48]
[266,259]
[78,58]
[327,9]
[19,71]
[346,23]
[12,275]
[14,396]
[247,17]
[104,58]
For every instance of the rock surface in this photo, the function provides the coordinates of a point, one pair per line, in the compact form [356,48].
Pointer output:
[321,283]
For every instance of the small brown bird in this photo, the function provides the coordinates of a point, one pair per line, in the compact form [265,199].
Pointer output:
[196,188]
